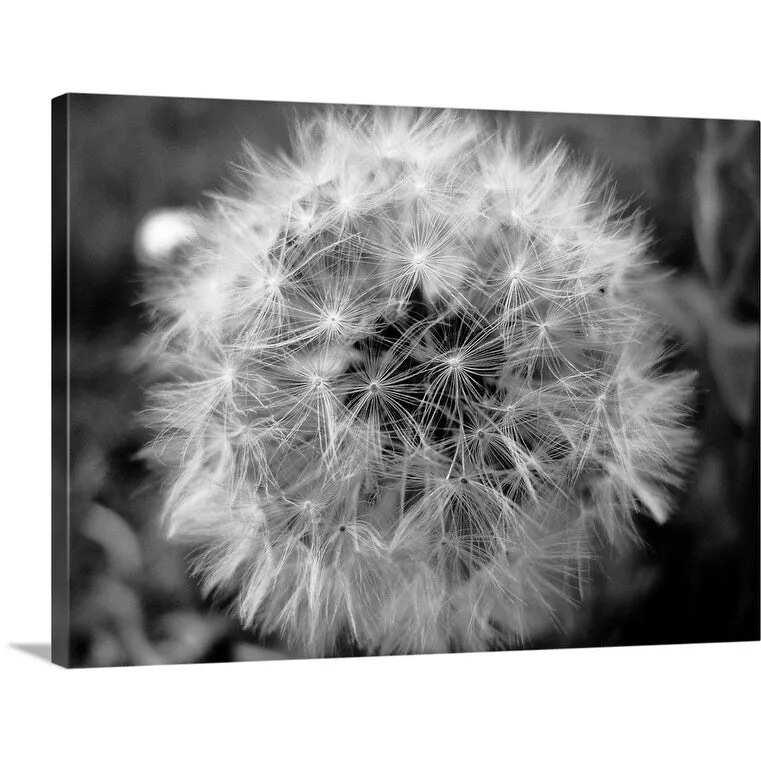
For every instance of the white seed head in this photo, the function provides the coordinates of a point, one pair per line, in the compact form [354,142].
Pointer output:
[412,385]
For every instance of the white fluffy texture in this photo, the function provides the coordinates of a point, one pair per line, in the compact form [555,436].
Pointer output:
[409,386]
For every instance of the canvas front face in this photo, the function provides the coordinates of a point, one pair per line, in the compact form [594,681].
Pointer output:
[384,381]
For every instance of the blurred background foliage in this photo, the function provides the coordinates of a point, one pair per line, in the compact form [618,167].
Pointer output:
[132,600]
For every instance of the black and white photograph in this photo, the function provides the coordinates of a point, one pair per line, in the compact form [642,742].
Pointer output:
[380,381]
[336,380]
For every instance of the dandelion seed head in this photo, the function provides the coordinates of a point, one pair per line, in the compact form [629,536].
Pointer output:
[409,386]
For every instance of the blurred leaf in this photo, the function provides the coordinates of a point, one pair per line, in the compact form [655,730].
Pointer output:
[733,356]
[116,537]
[115,607]
[725,210]
[186,635]
[709,205]
[106,650]
[693,311]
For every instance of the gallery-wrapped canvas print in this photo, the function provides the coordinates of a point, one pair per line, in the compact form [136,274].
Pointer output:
[337,380]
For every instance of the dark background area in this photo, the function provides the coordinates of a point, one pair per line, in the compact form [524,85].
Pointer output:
[132,601]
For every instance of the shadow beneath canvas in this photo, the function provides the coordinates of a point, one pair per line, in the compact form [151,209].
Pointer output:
[39,650]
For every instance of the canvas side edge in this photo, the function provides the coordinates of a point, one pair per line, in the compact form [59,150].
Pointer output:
[60,535]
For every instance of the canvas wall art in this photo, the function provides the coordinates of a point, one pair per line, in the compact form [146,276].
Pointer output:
[352,380]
